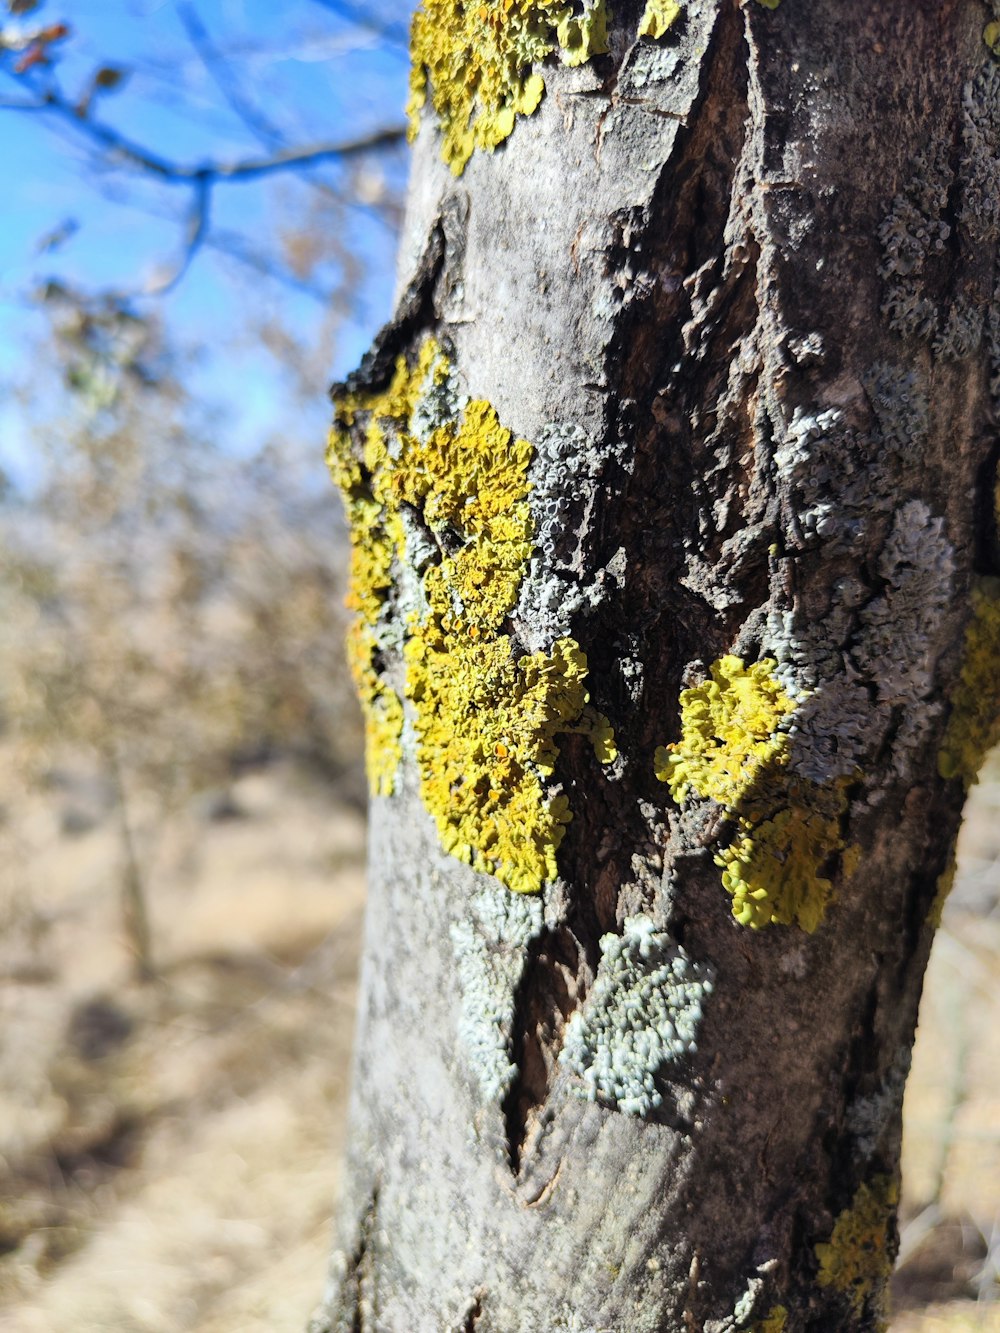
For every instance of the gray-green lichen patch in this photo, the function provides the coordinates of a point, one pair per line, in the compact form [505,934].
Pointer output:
[824,463]
[871,1115]
[900,636]
[861,665]
[438,404]
[980,167]
[642,1013]
[831,732]
[842,478]
[490,943]
[913,234]
[899,402]
[564,476]
[962,331]
[917,230]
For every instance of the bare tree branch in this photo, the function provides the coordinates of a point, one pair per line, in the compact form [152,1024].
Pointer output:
[221,72]
[197,232]
[396,33]
[290,159]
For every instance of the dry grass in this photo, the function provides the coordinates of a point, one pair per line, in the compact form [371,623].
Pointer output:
[170,1151]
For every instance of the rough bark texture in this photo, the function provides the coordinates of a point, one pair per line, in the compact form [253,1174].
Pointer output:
[734,285]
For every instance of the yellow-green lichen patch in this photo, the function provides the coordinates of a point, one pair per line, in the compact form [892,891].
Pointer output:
[774,1322]
[974,721]
[734,749]
[991,36]
[382,709]
[475,63]
[857,1260]
[945,884]
[850,861]
[486,728]
[729,733]
[772,867]
[486,719]
[658,17]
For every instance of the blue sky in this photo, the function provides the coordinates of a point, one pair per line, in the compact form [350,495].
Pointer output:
[308,74]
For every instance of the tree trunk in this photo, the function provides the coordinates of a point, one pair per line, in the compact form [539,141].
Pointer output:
[687,407]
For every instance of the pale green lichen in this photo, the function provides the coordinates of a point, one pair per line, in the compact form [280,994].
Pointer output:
[658,17]
[475,61]
[734,749]
[904,631]
[974,720]
[486,720]
[642,1013]
[490,948]
[857,1260]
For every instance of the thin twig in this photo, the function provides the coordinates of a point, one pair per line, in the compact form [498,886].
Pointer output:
[251,168]
[396,33]
[221,72]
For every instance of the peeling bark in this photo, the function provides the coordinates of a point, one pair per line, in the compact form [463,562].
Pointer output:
[736,286]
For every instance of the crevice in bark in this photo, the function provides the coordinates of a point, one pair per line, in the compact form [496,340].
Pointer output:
[689,316]
[358,1279]
[414,312]
[549,991]
[670,358]
[475,1311]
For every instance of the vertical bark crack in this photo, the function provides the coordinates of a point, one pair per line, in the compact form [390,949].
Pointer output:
[474,1312]
[549,991]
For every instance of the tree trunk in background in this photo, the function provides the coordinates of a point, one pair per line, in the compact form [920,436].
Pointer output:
[687,406]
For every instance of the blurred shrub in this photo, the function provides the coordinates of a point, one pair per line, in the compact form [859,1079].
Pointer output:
[171,608]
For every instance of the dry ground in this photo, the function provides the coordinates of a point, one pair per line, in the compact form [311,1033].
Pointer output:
[168,1152]
[171,1149]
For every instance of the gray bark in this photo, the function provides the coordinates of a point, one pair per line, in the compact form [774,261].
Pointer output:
[747,272]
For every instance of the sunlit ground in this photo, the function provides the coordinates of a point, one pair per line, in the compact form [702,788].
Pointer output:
[170,1150]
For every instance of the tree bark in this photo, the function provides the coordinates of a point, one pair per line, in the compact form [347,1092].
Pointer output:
[730,288]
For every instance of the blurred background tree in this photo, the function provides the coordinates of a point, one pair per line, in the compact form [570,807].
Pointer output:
[198,233]
[172,550]
[169,609]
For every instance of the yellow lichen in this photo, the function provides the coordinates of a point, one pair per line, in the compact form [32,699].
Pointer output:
[729,733]
[486,727]
[771,868]
[734,751]
[657,17]
[857,1259]
[974,721]
[475,63]
[945,884]
[485,719]
[774,1322]
[991,36]
[601,733]
[382,708]
[850,862]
